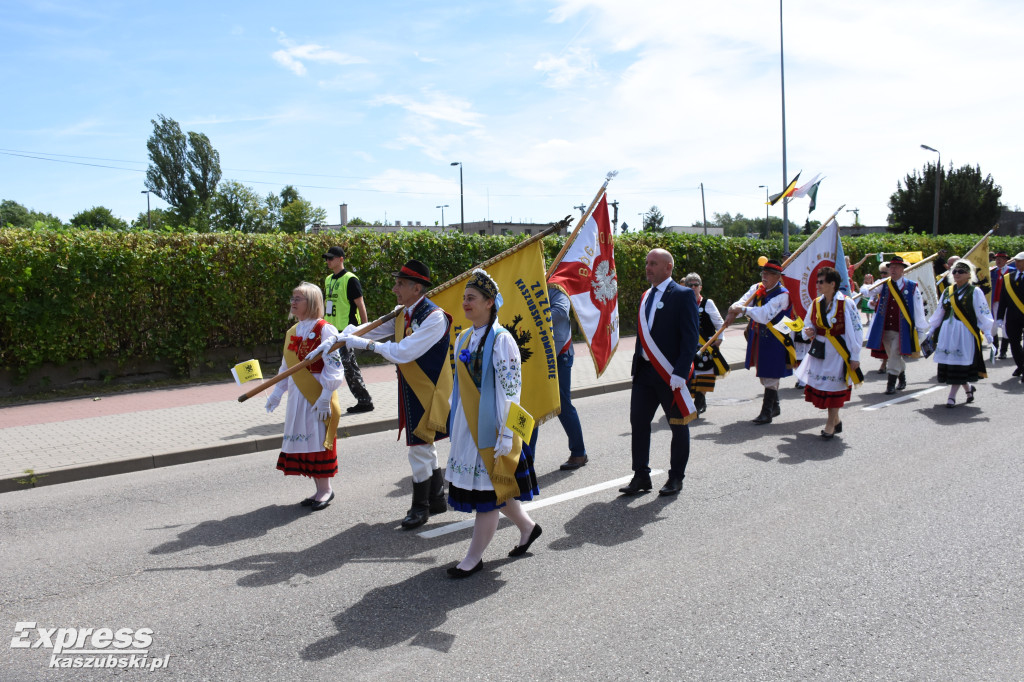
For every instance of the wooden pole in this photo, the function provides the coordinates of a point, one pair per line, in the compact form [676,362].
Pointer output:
[560,225]
[583,219]
[789,260]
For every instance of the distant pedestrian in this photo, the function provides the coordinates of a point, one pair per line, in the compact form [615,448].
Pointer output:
[710,365]
[958,325]
[345,310]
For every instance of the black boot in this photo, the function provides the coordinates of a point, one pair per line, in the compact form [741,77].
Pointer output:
[700,402]
[419,512]
[1003,345]
[776,410]
[901,381]
[890,387]
[438,504]
[767,406]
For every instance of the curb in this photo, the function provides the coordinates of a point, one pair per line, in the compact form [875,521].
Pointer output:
[246,447]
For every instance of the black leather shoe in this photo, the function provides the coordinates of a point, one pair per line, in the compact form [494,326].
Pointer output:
[308,502]
[637,485]
[520,550]
[839,427]
[970,394]
[890,386]
[574,463]
[901,381]
[456,572]
[1017,372]
[317,506]
[360,407]
[826,435]
[673,486]
[415,518]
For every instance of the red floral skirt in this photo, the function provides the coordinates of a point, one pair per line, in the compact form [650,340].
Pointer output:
[323,464]
[826,399]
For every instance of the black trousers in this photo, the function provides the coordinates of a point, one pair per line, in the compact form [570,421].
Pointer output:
[648,394]
[1014,332]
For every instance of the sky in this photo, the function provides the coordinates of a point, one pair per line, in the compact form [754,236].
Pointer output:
[369,103]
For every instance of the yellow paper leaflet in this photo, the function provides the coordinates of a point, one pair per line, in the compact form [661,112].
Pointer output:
[520,421]
[526,313]
[246,371]
[794,326]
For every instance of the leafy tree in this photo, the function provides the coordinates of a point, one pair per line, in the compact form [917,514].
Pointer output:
[237,207]
[300,214]
[288,195]
[968,202]
[653,220]
[359,222]
[184,171]
[98,218]
[162,219]
[14,214]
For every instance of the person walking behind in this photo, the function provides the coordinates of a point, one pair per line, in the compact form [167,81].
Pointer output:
[959,323]
[345,310]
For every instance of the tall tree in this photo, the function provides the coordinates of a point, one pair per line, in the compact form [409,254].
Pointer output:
[968,202]
[14,214]
[237,207]
[300,214]
[184,171]
[653,220]
[288,195]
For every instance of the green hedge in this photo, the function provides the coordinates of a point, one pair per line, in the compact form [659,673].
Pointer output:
[85,295]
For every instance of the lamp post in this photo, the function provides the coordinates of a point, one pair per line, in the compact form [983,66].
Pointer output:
[785,177]
[643,220]
[462,205]
[766,207]
[149,216]
[938,176]
[442,207]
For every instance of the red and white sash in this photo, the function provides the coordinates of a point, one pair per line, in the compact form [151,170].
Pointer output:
[681,396]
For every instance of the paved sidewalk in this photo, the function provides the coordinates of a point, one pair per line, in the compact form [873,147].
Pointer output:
[70,440]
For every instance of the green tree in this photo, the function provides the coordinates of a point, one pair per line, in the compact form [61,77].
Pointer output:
[14,214]
[653,220]
[98,218]
[237,207]
[300,214]
[184,171]
[968,202]
[162,219]
[288,195]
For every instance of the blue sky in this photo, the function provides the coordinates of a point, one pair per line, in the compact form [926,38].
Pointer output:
[368,103]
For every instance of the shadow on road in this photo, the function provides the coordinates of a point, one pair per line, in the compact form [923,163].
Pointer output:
[247,526]
[413,610]
[744,431]
[805,447]
[611,523]
[959,415]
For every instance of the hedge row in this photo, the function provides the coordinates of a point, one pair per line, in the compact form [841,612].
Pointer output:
[85,295]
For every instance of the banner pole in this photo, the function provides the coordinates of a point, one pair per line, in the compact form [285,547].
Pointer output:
[583,219]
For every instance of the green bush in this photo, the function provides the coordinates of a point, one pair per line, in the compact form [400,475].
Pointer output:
[85,295]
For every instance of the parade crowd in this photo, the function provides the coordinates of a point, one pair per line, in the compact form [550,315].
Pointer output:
[676,363]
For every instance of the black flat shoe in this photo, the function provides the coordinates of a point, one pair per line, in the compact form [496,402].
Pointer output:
[455,572]
[673,486]
[970,394]
[317,506]
[360,407]
[308,502]
[826,435]
[520,550]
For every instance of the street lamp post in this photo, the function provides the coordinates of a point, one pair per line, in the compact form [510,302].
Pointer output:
[938,176]
[766,207]
[643,220]
[149,216]
[442,207]
[462,205]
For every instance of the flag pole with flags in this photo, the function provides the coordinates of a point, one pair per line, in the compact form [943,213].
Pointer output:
[585,272]
[790,188]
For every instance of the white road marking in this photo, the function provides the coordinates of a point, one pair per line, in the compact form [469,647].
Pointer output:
[903,398]
[537,504]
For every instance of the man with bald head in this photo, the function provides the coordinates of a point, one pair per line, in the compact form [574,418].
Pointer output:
[666,345]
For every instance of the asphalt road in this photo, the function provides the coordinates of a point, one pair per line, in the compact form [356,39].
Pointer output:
[893,552]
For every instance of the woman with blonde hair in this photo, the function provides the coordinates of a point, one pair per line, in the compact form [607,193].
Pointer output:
[309,445]
[957,326]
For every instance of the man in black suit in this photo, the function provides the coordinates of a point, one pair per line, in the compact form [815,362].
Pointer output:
[1011,309]
[665,348]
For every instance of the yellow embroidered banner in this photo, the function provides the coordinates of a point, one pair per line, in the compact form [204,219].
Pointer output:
[526,313]
[246,371]
[520,421]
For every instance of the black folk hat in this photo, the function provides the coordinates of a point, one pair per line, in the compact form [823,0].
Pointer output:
[772,265]
[334,252]
[414,271]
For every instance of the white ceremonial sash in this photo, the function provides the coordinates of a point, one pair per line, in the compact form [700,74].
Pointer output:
[681,396]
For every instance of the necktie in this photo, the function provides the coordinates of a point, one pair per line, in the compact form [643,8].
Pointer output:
[650,306]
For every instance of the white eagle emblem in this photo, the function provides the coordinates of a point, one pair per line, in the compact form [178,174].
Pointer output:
[605,284]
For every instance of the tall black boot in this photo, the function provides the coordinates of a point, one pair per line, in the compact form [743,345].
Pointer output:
[767,406]
[438,504]
[776,409]
[419,512]
[901,381]
[890,387]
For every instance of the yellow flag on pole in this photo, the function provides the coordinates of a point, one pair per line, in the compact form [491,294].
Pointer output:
[978,255]
[520,421]
[246,371]
[525,312]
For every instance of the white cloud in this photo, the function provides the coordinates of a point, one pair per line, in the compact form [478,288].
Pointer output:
[294,57]
[576,64]
[435,106]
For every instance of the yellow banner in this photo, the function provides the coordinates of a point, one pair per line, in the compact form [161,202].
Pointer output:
[246,371]
[524,312]
[911,256]
[978,255]
[520,421]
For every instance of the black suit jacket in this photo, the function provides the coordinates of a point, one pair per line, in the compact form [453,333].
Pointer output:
[1007,308]
[675,328]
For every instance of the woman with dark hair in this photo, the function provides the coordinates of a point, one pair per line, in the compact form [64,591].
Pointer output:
[831,366]
[311,416]
[489,467]
[962,318]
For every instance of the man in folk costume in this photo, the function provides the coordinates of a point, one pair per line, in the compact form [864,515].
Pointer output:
[899,321]
[420,350]
[769,350]
[996,278]
[1011,308]
[663,359]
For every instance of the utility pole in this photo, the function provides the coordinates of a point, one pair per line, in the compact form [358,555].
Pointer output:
[703,209]
[615,215]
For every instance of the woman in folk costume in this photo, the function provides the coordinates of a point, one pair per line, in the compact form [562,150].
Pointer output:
[488,466]
[709,365]
[962,319]
[312,413]
[832,364]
